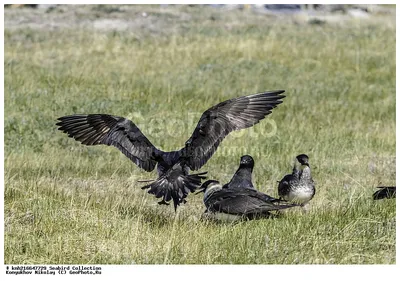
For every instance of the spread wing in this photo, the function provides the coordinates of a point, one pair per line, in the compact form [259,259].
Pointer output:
[218,121]
[244,202]
[94,129]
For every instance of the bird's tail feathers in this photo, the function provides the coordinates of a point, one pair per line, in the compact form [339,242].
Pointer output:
[175,185]
[287,205]
[272,199]
[280,205]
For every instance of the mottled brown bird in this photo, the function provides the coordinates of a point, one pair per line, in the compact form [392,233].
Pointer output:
[298,186]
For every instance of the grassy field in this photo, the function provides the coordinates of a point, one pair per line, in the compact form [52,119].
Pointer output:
[68,203]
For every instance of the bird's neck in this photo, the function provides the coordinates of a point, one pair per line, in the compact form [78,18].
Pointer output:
[295,171]
[306,174]
[245,170]
[241,175]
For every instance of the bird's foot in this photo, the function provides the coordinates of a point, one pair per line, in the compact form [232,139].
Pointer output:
[305,208]
[162,202]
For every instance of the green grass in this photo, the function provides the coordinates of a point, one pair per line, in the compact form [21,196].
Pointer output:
[68,203]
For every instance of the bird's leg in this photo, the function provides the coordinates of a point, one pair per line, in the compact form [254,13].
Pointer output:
[305,208]
[281,200]
[162,202]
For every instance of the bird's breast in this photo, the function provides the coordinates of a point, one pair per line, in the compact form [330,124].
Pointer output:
[301,194]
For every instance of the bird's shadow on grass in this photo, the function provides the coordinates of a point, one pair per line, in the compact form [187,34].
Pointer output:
[155,217]
[159,217]
[215,222]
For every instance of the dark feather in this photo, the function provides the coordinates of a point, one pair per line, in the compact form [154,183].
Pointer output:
[285,185]
[243,202]
[175,185]
[384,192]
[218,121]
[94,129]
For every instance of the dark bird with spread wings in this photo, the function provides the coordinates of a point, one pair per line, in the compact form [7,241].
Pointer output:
[174,181]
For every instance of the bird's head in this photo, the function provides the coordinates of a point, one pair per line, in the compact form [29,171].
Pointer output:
[208,185]
[303,159]
[246,161]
